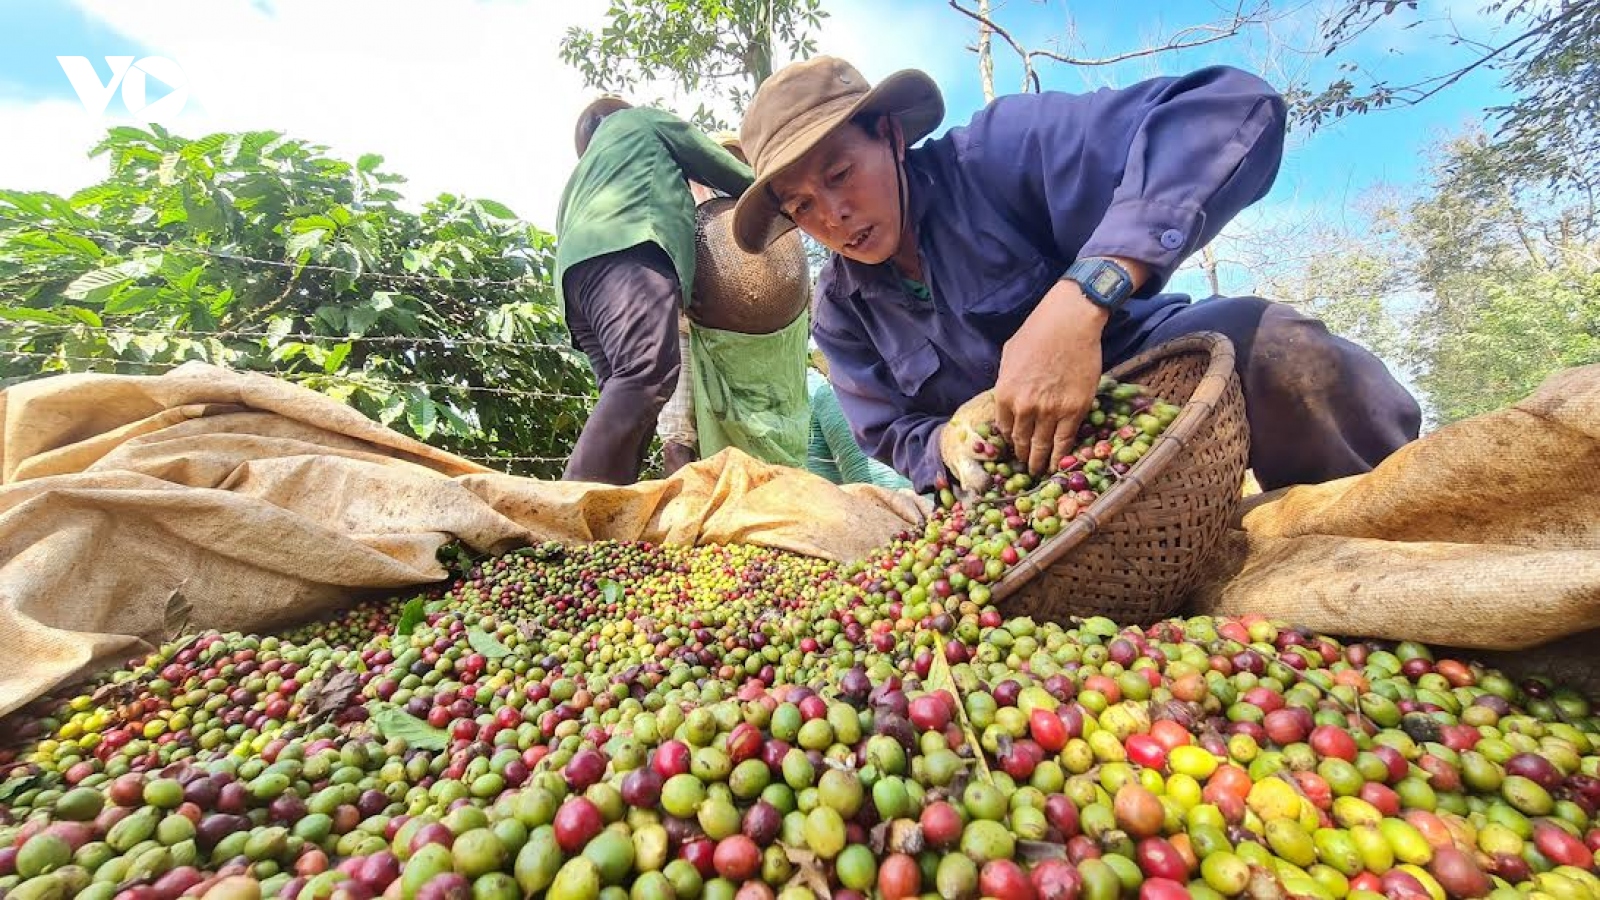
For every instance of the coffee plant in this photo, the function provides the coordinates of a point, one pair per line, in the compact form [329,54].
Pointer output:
[262,253]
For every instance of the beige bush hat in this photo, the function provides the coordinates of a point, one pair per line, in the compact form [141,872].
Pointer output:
[798,108]
[605,105]
[729,141]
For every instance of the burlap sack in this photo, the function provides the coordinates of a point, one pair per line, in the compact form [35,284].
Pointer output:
[133,507]
[1484,534]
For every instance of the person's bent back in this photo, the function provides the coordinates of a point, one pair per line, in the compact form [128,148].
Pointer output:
[624,265]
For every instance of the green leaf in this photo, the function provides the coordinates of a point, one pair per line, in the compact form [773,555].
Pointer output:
[313,223]
[278,328]
[345,257]
[168,173]
[392,407]
[16,787]
[421,414]
[455,424]
[96,286]
[28,314]
[332,317]
[86,316]
[610,590]
[485,643]
[132,300]
[206,145]
[335,357]
[498,210]
[230,149]
[368,162]
[287,351]
[394,722]
[359,321]
[340,391]
[80,246]
[189,280]
[411,616]
[304,242]
[219,302]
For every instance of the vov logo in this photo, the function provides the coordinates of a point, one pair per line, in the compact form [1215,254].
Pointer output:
[138,80]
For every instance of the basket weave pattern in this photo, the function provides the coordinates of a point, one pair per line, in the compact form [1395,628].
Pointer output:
[744,292]
[1136,552]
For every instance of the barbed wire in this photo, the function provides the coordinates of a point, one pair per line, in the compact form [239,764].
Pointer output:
[307,376]
[302,337]
[521,280]
[31,354]
[168,366]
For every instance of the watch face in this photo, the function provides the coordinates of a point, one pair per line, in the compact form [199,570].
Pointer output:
[1106,281]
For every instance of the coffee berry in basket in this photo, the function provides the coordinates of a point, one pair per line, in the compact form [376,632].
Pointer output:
[997,513]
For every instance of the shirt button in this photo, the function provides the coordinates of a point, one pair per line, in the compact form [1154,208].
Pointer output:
[1172,239]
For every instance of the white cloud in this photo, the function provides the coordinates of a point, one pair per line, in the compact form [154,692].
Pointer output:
[462,96]
[47,146]
[459,96]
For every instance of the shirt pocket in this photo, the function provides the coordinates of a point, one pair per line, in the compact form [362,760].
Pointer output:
[1007,302]
[914,367]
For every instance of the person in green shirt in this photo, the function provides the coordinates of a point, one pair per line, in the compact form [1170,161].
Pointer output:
[625,260]
[833,452]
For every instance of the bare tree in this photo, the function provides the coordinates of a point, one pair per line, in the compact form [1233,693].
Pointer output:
[985,51]
[1246,14]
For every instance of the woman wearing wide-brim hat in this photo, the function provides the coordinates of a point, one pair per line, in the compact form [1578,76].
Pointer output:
[625,260]
[1024,252]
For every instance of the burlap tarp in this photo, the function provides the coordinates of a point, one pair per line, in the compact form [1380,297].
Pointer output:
[134,506]
[1483,535]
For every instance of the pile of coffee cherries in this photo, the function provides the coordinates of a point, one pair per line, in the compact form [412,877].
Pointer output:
[626,720]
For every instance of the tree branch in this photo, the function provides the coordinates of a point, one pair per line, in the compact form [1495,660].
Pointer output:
[1416,92]
[985,54]
[1183,39]
[986,22]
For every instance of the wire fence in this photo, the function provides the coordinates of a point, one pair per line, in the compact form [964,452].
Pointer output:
[530,279]
[160,367]
[45,328]
[525,280]
[652,464]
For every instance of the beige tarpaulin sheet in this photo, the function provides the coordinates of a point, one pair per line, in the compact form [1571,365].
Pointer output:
[1484,535]
[133,505]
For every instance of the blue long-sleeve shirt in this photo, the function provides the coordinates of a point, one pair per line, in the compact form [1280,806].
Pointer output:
[1003,205]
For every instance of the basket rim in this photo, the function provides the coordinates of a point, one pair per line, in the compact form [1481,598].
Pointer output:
[1196,411]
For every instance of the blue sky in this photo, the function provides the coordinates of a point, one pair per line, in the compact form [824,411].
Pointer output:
[469,96]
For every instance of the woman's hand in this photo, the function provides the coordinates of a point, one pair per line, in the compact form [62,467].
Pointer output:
[959,440]
[1049,371]
[1048,374]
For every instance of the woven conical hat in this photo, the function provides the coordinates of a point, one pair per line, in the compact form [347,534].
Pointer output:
[738,291]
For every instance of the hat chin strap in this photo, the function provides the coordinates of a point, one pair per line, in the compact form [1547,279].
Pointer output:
[901,202]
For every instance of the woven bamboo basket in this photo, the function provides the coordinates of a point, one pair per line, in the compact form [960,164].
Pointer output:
[752,293]
[1137,551]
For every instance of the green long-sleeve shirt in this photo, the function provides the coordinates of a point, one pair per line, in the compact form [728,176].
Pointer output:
[629,188]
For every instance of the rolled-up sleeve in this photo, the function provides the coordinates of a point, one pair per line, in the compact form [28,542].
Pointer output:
[1151,172]
[879,415]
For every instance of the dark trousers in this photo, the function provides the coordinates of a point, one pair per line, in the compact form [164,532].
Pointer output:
[1319,406]
[622,310]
